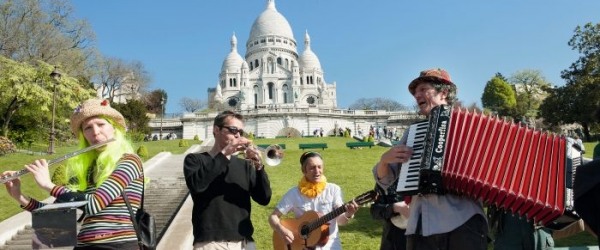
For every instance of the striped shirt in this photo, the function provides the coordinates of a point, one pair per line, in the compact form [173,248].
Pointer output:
[107,218]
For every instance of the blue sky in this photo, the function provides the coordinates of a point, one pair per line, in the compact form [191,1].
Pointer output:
[369,48]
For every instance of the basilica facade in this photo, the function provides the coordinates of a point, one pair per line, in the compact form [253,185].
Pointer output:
[279,91]
[272,73]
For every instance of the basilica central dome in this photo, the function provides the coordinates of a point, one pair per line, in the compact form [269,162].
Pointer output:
[270,22]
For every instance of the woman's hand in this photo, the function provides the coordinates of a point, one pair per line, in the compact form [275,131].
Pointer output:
[41,174]
[13,187]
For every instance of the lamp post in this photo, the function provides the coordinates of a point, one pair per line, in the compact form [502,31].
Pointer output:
[162,111]
[56,78]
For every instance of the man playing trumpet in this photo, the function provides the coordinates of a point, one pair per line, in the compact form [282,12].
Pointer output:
[221,187]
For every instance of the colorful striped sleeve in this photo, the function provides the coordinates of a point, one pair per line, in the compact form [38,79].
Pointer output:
[129,168]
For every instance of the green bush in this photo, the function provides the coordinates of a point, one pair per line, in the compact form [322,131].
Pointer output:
[136,136]
[183,143]
[59,175]
[196,138]
[370,138]
[250,136]
[142,152]
[346,133]
[6,146]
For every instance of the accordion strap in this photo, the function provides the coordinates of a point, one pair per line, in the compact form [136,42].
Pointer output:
[133,220]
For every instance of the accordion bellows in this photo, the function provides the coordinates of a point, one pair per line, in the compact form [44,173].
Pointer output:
[514,167]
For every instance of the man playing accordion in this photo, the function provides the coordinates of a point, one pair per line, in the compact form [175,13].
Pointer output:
[446,221]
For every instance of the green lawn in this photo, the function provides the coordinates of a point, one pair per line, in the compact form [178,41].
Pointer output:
[349,168]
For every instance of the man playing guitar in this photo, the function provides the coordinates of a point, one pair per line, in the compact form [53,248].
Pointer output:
[313,195]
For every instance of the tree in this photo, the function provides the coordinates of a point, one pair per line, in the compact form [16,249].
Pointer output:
[27,91]
[530,87]
[191,104]
[377,103]
[134,112]
[117,79]
[499,97]
[580,97]
[153,100]
[33,30]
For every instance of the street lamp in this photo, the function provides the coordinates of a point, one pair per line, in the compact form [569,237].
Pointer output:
[56,77]
[162,111]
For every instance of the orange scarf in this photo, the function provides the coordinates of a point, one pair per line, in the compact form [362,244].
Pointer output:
[310,189]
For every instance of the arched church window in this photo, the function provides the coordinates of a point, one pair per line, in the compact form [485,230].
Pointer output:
[285,93]
[251,65]
[287,64]
[279,60]
[270,86]
[256,63]
[310,100]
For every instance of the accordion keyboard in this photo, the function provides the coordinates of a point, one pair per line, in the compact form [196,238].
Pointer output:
[408,179]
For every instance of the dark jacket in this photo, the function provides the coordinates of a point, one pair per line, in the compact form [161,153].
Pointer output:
[221,189]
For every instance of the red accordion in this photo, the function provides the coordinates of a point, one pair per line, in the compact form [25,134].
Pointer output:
[502,163]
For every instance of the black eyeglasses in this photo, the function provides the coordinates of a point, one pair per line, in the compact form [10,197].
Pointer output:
[234,130]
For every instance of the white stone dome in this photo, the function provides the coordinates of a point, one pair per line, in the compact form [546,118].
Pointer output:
[270,22]
[309,60]
[233,62]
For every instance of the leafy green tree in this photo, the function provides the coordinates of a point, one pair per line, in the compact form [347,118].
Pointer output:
[531,89]
[499,97]
[27,91]
[134,112]
[580,97]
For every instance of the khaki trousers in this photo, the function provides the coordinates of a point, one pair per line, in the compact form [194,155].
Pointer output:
[225,245]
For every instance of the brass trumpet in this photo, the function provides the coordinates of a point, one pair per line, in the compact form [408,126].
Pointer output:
[272,155]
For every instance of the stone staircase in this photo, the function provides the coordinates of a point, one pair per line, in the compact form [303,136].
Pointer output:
[163,198]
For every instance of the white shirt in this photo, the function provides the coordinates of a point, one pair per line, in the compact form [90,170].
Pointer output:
[325,202]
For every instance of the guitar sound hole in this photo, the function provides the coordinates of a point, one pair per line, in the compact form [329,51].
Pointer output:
[304,231]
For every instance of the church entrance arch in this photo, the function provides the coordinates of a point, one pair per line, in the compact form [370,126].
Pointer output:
[289,132]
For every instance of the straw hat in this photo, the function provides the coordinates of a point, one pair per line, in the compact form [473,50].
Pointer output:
[93,108]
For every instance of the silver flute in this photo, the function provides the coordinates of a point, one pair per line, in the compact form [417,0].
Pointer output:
[5,179]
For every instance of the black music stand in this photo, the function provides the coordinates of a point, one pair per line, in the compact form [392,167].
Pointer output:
[55,225]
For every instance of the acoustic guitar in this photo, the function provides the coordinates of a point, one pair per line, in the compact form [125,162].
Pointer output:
[306,235]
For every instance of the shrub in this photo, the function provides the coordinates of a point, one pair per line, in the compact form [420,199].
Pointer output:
[136,136]
[196,138]
[142,152]
[183,143]
[346,133]
[250,136]
[6,146]
[370,138]
[59,177]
